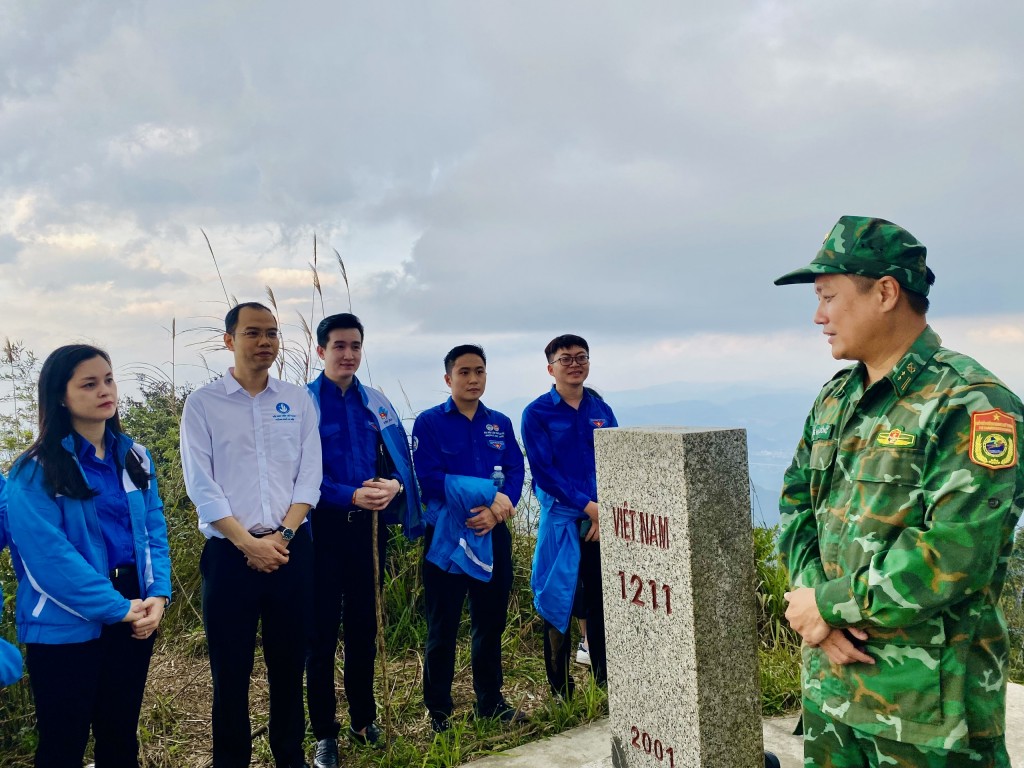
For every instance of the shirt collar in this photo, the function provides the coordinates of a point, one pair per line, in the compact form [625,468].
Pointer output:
[353,387]
[449,406]
[557,398]
[86,451]
[231,384]
[914,361]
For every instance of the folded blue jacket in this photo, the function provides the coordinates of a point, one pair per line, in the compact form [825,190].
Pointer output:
[456,548]
[556,561]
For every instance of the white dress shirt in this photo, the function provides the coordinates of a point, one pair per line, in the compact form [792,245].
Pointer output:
[250,457]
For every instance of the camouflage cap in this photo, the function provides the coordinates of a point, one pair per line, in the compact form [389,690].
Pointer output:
[859,245]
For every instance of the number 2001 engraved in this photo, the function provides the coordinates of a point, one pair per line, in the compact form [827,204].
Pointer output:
[642,740]
[640,590]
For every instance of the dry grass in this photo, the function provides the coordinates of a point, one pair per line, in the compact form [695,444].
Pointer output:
[175,723]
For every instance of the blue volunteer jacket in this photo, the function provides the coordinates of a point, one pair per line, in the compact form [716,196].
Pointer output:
[10,656]
[556,561]
[455,547]
[64,593]
[397,444]
[559,441]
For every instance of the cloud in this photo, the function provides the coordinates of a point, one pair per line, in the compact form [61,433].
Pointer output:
[10,247]
[149,139]
[499,172]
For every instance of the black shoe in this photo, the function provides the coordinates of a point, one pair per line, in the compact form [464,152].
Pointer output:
[326,755]
[771,761]
[440,722]
[504,712]
[369,739]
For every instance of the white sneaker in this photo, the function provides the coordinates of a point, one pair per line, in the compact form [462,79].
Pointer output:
[583,655]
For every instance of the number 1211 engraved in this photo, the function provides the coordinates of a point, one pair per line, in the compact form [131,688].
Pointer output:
[640,591]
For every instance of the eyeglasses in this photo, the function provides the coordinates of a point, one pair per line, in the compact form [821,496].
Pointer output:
[567,360]
[252,334]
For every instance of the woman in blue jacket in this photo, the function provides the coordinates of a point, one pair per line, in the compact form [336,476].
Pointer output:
[89,547]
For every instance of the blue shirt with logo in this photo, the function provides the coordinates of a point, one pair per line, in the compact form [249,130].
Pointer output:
[559,442]
[447,443]
[104,476]
[349,438]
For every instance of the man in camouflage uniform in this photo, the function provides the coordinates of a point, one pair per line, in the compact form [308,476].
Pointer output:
[898,514]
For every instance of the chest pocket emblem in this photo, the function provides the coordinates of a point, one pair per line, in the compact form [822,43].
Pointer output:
[896,438]
[498,445]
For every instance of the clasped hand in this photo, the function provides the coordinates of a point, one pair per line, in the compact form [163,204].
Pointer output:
[266,554]
[145,616]
[483,518]
[375,495]
[806,620]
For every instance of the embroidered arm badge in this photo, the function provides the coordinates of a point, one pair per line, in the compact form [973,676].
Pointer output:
[993,439]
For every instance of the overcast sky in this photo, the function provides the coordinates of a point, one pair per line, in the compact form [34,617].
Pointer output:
[638,173]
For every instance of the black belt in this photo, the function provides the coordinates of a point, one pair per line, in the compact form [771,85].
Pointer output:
[121,571]
[337,512]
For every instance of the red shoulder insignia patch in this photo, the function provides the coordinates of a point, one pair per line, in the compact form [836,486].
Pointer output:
[993,439]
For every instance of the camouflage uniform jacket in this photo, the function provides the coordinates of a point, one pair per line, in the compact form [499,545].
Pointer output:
[899,510]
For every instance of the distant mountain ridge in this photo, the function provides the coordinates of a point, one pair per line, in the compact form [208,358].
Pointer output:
[773,420]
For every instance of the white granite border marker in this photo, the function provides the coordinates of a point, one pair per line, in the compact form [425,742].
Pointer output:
[678,578]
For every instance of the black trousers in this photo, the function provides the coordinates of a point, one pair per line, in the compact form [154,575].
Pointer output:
[559,648]
[445,594]
[235,600]
[343,589]
[98,683]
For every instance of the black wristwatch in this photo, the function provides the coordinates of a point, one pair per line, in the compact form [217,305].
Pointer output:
[286,533]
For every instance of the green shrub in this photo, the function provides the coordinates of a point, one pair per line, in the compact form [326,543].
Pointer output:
[1013,606]
[779,646]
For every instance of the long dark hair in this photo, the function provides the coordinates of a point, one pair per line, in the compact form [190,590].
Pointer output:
[61,474]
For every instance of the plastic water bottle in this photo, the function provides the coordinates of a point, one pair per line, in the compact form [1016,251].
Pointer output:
[498,477]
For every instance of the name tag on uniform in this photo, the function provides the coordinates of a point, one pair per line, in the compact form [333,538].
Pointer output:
[821,431]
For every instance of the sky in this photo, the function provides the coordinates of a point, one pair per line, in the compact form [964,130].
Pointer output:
[500,173]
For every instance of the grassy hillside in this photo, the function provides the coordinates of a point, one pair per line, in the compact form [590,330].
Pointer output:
[175,721]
